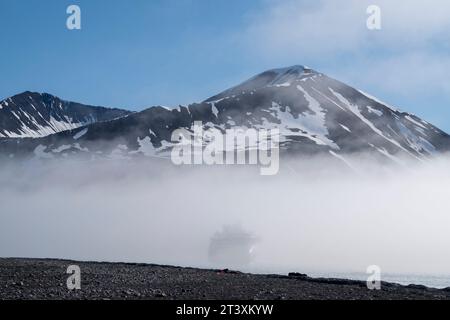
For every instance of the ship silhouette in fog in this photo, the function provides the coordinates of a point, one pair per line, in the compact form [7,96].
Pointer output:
[232,247]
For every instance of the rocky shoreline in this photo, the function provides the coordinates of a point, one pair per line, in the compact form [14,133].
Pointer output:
[46,279]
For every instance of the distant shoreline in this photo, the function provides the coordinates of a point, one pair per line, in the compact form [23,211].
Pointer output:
[41,279]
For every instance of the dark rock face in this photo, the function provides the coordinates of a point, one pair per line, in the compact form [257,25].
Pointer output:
[314,113]
[31,114]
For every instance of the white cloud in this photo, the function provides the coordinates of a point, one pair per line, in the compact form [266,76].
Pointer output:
[407,57]
[331,27]
[296,27]
[424,72]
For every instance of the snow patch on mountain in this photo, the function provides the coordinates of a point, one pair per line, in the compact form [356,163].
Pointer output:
[379,101]
[417,123]
[311,124]
[417,143]
[355,109]
[345,128]
[80,134]
[375,111]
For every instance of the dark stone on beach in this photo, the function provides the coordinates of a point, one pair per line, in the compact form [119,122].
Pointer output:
[227,271]
[297,275]
[160,295]
[417,286]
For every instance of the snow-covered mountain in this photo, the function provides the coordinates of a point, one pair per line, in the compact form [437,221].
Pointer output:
[314,113]
[31,114]
[317,113]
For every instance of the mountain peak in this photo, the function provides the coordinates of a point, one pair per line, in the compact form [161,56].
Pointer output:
[28,93]
[296,69]
[273,77]
[284,75]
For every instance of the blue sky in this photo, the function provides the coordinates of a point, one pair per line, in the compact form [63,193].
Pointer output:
[139,53]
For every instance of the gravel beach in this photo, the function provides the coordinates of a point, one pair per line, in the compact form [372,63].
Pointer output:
[38,279]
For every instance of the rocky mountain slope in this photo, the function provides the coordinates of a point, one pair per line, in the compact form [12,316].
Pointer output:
[314,113]
[35,115]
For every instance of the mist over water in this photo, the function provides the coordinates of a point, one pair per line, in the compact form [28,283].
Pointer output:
[314,217]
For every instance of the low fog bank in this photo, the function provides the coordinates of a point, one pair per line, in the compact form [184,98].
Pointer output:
[312,216]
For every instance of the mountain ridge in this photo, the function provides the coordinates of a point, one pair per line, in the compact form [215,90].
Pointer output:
[34,114]
[314,113]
